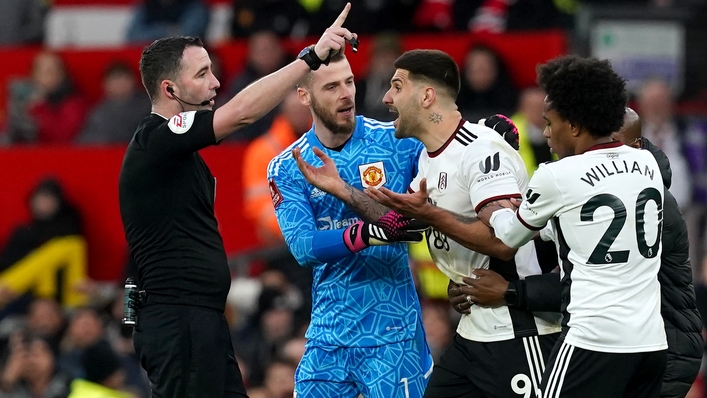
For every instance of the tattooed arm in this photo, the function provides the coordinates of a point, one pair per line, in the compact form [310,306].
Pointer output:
[327,179]
[368,209]
[468,232]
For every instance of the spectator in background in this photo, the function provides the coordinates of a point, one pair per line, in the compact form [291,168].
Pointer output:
[496,16]
[270,328]
[156,19]
[38,104]
[50,245]
[529,120]
[265,55]
[293,121]
[282,17]
[660,126]
[279,381]
[30,370]
[684,141]
[104,378]
[21,22]
[486,86]
[84,330]
[386,49]
[45,318]
[367,17]
[115,119]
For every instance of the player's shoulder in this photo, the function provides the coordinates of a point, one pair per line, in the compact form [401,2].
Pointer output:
[480,136]
[284,161]
[374,127]
[383,134]
[480,142]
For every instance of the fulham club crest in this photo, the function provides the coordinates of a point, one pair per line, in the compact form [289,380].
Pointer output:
[372,174]
[442,184]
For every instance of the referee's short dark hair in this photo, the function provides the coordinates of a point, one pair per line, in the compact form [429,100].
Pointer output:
[586,92]
[163,60]
[433,65]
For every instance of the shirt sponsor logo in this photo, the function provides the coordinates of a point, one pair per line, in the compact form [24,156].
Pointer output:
[531,197]
[181,122]
[492,176]
[326,223]
[372,174]
[492,163]
[275,194]
[442,184]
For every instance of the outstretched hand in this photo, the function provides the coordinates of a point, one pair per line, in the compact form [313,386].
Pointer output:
[335,37]
[326,177]
[414,205]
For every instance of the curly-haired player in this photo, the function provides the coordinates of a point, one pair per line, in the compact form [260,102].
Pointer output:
[605,203]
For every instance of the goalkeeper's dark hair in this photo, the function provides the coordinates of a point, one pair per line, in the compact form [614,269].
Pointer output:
[586,92]
[433,66]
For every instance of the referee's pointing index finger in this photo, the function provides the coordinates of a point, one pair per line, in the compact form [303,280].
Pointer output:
[342,17]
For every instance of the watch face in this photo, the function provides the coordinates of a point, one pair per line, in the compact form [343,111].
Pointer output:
[303,52]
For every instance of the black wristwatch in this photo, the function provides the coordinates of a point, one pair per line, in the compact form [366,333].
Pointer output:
[511,295]
[309,56]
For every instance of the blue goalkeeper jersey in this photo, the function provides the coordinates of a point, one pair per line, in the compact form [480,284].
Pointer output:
[365,299]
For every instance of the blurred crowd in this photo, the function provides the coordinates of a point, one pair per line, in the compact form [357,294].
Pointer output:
[61,333]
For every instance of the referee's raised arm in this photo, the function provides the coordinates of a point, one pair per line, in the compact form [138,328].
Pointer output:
[263,95]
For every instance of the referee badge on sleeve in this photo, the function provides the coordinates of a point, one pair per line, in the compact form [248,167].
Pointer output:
[181,122]
[275,194]
[372,174]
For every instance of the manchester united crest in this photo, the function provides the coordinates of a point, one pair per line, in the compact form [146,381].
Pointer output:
[372,174]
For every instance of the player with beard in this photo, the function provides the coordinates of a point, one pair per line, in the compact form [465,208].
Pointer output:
[366,335]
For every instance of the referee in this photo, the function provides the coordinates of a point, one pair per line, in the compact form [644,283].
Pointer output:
[167,198]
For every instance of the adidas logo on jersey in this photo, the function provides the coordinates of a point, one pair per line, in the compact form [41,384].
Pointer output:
[316,192]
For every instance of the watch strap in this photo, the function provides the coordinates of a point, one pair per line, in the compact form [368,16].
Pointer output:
[309,56]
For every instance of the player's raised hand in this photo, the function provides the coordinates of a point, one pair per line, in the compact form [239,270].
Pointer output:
[505,127]
[326,177]
[335,37]
[414,205]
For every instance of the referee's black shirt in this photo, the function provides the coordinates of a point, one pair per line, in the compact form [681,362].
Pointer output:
[167,198]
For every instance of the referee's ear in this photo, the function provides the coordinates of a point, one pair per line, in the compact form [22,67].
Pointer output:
[167,89]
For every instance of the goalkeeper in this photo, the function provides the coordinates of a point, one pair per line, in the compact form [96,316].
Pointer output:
[366,335]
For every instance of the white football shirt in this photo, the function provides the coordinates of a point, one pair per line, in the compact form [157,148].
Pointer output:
[606,211]
[474,167]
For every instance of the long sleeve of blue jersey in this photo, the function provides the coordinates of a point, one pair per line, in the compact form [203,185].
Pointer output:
[296,219]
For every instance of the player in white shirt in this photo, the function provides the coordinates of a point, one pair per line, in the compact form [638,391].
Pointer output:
[604,202]
[497,352]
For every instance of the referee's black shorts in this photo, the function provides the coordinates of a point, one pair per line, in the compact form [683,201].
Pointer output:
[187,352]
[500,369]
